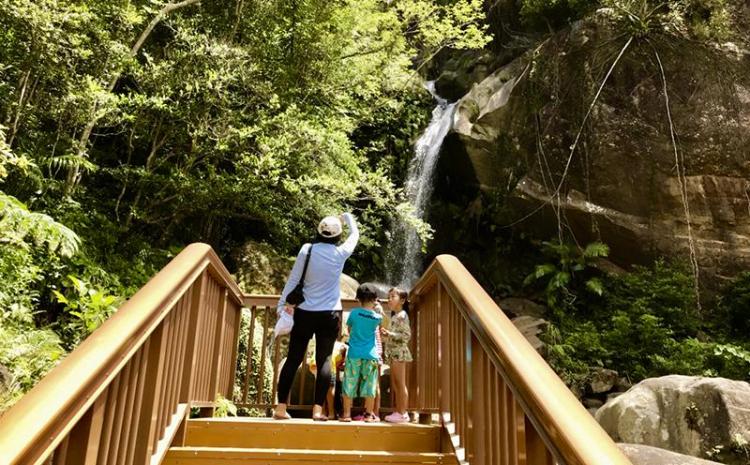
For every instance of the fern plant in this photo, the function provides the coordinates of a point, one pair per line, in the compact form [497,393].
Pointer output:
[560,276]
[19,226]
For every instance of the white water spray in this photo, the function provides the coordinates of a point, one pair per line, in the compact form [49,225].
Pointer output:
[404,261]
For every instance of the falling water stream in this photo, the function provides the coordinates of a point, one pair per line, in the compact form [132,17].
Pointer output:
[404,261]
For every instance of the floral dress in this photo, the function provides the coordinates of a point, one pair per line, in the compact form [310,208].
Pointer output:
[399,334]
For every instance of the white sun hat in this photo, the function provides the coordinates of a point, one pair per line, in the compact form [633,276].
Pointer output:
[330,226]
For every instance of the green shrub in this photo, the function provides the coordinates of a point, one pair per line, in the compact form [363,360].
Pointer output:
[664,290]
[645,324]
[734,306]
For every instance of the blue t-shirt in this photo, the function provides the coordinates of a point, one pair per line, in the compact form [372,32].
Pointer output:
[362,325]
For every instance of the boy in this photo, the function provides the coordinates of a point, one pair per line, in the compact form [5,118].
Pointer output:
[361,368]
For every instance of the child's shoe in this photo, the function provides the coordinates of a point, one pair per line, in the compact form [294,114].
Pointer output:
[396,417]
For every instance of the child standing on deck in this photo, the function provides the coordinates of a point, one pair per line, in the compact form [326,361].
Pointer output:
[361,367]
[397,353]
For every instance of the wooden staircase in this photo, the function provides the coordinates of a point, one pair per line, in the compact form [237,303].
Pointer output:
[123,396]
[238,441]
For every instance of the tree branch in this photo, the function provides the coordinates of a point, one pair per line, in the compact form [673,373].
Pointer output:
[74,174]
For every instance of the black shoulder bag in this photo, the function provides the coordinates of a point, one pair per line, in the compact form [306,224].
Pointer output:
[296,297]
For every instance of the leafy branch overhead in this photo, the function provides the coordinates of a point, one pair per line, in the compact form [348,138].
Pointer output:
[130,128]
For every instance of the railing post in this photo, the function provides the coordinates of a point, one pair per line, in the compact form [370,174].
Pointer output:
[444,345]
[83,442]
[218,343]
[196,302]
[478,408]
[235,352]
[536,451]
[156,348]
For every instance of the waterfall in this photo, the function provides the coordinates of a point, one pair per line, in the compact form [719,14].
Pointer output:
[404,259]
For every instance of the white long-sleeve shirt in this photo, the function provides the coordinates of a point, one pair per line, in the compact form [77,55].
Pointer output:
[322,290]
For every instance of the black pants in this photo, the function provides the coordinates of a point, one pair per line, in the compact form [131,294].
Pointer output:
[325,326]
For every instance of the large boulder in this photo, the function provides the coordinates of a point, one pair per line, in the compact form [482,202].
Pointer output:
[262,270]
[702,417]
[517,306]
[602,380]
[513,133]
[647,455]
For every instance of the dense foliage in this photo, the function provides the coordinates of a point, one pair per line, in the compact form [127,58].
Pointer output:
[644,323]
[699,19]
[129,128]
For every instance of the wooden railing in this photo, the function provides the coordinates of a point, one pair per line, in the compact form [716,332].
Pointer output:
[258,391]
[496,394]
[122,396]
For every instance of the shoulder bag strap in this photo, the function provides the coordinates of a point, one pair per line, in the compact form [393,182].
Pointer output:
[304,270]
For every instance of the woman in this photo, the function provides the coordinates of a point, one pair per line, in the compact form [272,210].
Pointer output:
[320,312]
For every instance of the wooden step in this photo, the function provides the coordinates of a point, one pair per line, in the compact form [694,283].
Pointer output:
[271,456]
[305,434]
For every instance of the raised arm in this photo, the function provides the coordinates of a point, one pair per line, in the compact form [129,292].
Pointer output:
[294,276]
[351,242]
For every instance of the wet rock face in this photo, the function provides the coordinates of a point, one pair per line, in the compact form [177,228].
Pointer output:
[514,131]
[702,417]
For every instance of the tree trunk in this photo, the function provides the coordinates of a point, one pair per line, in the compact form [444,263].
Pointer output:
[19,109]
[74,174]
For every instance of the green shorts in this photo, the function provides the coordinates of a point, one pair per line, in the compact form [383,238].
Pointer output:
[362,374]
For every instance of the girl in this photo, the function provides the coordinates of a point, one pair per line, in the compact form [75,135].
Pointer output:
[397,352]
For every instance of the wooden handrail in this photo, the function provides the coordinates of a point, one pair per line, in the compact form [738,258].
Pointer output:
[495,391]
[131,382]
[270,300]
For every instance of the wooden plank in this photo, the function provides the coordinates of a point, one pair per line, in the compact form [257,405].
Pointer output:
[60,457]
[230,348]
[152,392]
[197,293]
[211,456]
[81,446]
[520,433]
[275,361]
[122,398]
[182,341]
[218,358]
[511,437]
[166,382]
[128,416]
[178,337]
[249,366]
[173,425]
[444,336]
[246,433]
[477,407]
[536,450]
[263,350]
[209,332]
[138,406]
[490,431]
[501,407]
[109,416]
